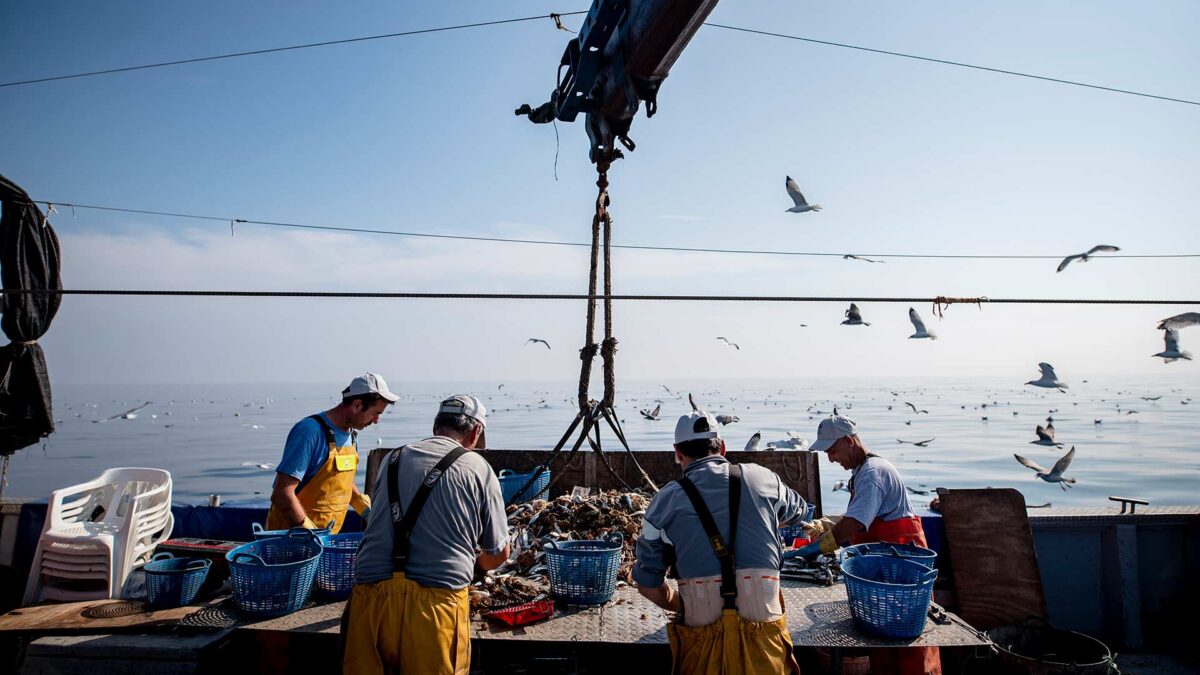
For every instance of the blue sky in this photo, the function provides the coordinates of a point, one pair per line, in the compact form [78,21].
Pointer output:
[418,134]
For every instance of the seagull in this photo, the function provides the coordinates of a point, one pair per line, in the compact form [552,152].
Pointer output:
[1097,421]
[802,205]
[499,388]
[1054,475]
[127,415]
[731,344]
[752,444]
[840,485]
[666,389]
[1046,436]
[919,444]
[915,491]
[727,419]
[851,256]
[914,408]
[535,340]
[256,465]
[793,442]
[919,325]
[854,317]
[1084,257]
[652,415]
[1180,321]
[1048,379]
[1151,398]
[1172,352]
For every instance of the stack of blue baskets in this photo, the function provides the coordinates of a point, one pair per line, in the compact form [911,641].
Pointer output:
[335,569]
[174,582]
[790,533]
[584,572]
[274,576]
[890,587]
[511,483]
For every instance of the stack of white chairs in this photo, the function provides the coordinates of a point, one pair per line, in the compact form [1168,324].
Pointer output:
[97,533]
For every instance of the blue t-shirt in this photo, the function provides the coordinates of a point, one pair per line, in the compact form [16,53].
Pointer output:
[306,451]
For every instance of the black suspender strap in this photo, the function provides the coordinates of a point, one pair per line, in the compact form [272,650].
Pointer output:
[402,526]
[329,440]
[723,551]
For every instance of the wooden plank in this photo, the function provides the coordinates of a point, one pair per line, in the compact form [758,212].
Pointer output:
[992,559]
[95,616]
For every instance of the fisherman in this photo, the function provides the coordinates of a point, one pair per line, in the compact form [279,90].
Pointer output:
[879,511]
[718,527]
[409,610]
[314,482]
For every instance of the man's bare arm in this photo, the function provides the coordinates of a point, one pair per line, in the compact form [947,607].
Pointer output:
[285,501]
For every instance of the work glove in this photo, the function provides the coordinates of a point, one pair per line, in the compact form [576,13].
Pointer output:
[361,504]
[817,528]
[826,544]
[308,524]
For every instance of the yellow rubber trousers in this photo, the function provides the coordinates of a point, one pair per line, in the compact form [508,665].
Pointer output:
[399,626]
[732,646]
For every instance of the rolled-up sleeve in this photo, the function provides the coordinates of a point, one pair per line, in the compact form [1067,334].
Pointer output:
[650,568]
[494,519]
[868,496]
[789,506]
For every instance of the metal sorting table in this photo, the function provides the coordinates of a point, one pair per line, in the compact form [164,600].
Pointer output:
[818,616]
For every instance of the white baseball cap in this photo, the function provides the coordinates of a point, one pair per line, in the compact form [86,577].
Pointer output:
[370,383]
[830,430]
[463,404]
[696,424]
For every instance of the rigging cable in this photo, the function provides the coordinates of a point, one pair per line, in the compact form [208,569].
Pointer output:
[546,242]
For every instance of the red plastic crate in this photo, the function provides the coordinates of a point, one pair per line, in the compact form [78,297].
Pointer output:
[523,614]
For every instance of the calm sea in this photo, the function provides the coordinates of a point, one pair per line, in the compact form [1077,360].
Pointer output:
[211,437]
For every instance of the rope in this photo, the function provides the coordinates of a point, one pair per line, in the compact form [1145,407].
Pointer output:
[578,296]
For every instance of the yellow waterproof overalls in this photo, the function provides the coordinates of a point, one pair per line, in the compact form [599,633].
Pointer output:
[398,625]
[732,645]
[327,495]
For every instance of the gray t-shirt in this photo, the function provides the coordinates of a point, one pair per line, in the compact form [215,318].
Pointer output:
[877,493]
[465,510]
[670,519]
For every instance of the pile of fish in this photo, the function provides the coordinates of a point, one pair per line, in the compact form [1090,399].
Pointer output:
[531,526]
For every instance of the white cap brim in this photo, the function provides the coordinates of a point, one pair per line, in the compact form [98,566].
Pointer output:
[821,445]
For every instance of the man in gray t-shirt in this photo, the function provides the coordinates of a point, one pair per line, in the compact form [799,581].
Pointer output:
[416,619]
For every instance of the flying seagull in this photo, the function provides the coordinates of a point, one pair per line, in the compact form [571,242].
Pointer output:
[1172,352]
[1084,257]
[854,317]
[652,414]
[1048,380]
[919,444]
[667,389]
[1046,436]
[752,444]
[1151,398]
[914,409]
[127,415]
[727,419]
[851,256]
[536,340]
[1054,475]
[802,205]
[1180,321]
[731,344]
[919,325]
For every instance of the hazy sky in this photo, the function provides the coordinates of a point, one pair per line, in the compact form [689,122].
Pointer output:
[418,134]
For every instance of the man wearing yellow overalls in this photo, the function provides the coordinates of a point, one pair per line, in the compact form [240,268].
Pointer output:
[314,483]
[718,526]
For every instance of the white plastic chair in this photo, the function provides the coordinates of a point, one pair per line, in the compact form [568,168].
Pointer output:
[97,533]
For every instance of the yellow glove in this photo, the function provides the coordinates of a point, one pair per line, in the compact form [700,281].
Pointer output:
[360,503]
[828,543]
[308,523]
[817,528]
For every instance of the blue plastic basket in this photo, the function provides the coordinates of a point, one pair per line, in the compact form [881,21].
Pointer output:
[790,533]
[174,582]
[511,483]
[918,554]
[259,533]
[335,570]
[274,576]
[584,571]
[889,596]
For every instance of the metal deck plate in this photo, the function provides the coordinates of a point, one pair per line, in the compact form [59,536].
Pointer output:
[818,616]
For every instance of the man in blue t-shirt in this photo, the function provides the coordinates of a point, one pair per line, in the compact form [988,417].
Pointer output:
[314,482]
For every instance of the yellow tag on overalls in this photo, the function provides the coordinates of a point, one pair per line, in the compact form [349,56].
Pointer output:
[345,462]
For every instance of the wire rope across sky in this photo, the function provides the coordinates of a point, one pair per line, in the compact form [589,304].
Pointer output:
[555,17]
[545,242]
